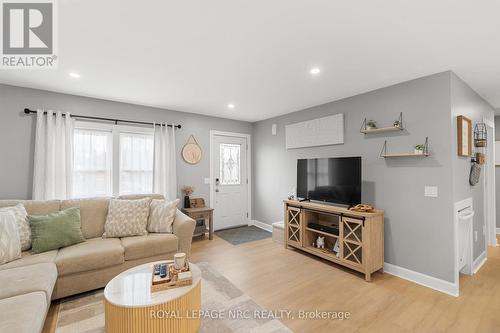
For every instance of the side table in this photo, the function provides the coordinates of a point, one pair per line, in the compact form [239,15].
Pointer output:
[202,213]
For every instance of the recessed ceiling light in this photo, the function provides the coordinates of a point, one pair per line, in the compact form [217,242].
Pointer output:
[231,106]
[315,71]
[74,75]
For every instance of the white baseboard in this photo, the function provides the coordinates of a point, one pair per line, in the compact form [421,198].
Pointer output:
[261,225]
[422,279]
[479,262]
[498,231]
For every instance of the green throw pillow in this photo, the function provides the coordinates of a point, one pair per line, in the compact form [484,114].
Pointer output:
[56,230]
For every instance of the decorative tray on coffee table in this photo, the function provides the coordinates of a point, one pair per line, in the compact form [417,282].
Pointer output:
[174,278]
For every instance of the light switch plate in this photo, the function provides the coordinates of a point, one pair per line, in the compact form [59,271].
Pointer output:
[431,191]
[206,180]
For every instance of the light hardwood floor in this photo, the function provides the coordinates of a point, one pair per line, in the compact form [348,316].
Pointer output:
[287,279]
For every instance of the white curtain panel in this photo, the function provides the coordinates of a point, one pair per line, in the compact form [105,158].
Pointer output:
[52,177]
[164,172]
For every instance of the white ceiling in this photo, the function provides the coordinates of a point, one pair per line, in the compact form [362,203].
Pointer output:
[198,55]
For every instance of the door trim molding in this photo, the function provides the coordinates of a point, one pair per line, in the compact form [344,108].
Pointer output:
[248,137]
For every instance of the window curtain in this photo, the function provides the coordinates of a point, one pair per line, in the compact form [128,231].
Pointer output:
[164,171]
[52,175]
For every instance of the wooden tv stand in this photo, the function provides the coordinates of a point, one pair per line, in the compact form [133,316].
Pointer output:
[360,237]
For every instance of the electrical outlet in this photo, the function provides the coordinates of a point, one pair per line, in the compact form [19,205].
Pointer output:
[430,191]
[475,235]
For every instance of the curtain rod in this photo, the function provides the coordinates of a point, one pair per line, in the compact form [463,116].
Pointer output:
[116,121]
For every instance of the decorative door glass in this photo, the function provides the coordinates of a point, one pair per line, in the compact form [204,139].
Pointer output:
[230,164]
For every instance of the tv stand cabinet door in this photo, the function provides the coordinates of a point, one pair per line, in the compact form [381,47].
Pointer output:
[293,226]
[352,241]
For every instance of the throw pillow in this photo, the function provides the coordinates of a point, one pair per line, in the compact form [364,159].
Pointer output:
[56,230]
[161,215]
[10,246]
[127,218]
[22,224]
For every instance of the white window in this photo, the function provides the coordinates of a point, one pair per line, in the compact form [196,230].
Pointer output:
[110,160]
[92,163]
[229,164]
[136,163]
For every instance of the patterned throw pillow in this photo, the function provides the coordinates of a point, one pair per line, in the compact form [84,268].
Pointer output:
[161,215]
[127,218]
[10,246]
[22,224]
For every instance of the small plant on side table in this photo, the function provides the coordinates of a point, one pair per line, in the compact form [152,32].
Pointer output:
[188,190]
[419,149]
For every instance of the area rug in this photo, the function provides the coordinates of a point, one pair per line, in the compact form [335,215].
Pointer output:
[85,313]
[242,235]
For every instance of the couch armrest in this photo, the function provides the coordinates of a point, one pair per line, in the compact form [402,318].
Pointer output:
[183,228]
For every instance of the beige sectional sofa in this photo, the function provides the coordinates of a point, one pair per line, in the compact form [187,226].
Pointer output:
[28,284]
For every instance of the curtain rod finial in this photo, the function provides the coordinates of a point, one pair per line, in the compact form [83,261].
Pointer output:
[27,111]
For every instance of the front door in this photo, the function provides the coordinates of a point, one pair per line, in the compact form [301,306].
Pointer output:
[230,179]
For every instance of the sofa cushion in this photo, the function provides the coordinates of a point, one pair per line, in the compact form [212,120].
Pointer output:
[55,230]
[93,213]
[22,224]
[95,253]
[161,215]
[127,218]
[10,245]
[23,313]
[29,258]
[27,279]
[141,196]
[138,247]
[35,207]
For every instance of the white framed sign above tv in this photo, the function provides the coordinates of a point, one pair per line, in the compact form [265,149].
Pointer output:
[317,132]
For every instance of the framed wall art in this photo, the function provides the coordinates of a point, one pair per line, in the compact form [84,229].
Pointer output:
[464,133]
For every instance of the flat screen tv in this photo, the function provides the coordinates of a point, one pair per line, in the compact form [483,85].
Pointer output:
[335,180]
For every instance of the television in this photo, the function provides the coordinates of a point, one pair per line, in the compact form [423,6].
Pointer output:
[334,180]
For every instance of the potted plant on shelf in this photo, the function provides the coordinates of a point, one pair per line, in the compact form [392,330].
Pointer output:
[188,190]
[371,124]
[397,124]
[419,149]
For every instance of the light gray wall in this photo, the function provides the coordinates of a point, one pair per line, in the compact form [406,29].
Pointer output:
[17,134]
[497,173]
[466,102]
[418,229]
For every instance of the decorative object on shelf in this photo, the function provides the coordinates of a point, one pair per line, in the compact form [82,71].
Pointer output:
[336,248]
[196,203]
[320,242]
[475,173]
[191,152]
[464,133]
[479,158]
[370,126]
[419,149]
[480,135]
[421,153]
[188,190]
[362,208]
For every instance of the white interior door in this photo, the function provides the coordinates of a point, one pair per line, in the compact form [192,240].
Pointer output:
[230,177]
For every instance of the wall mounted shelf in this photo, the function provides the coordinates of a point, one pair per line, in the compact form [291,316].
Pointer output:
[365,130]
[425,153]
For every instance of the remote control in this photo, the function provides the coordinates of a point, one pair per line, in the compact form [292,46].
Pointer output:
[157,269]
[163,270]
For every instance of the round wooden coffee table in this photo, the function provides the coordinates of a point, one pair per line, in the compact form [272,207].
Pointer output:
[131,307]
